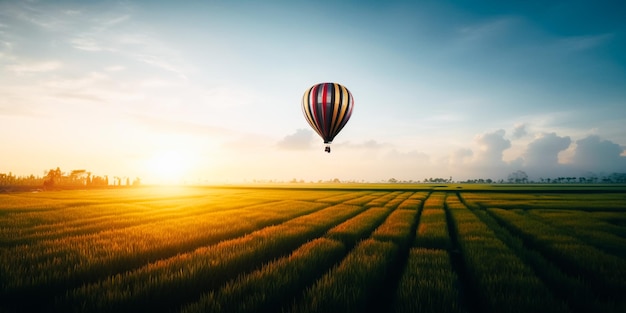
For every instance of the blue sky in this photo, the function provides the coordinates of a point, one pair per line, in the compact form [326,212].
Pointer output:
[211,90]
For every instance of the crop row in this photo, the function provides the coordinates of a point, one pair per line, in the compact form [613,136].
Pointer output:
[357,283]
[352,230]
[559,228]
[432,231]
[342,197]
[603,202]
[604,272]
[428,284]
[43,209]
[593,228]
[268,288]
[502,281]
[78,259]
[86,216]
[389,198]
[116,250]
[365,199]
[247,250]
[276,283]
[414,201]
[352,284]
[578,296]
[183,277]
[101,217]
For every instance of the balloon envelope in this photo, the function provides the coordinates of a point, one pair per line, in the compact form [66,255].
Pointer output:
[327,107]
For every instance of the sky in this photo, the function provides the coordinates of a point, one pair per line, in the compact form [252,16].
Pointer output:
[210,91]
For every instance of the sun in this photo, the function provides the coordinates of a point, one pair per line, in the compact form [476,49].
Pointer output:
[169,166]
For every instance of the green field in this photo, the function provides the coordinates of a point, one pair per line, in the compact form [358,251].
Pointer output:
[315,248]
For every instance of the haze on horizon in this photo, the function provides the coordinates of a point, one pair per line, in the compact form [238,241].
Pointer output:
[210,91]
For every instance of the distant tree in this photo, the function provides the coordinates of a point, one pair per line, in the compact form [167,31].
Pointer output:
[518,177]
[52,178]
[78,177]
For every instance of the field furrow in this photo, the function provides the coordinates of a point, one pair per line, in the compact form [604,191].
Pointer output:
[280,281]
[432,230]
[276,283]
[355,285]
[185,277]
[116,216]
[604,272]
[585,226]
[315,248]
[414,201]
[428,284]
[349,286]
[359,227]
[502,281]
[399,199]
[383,200]
[142,243]
[61,264]
[341,197]
[578,296]
[364,199]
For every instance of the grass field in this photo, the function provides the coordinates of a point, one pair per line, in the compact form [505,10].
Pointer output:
[315,248]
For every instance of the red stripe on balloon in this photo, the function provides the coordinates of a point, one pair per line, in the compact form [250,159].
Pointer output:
[324,104]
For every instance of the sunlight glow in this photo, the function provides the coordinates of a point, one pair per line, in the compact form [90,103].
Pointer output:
[169,166]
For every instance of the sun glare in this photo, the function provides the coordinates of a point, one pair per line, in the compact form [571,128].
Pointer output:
[168,167]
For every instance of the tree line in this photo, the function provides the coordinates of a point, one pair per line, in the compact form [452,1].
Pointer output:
[520,177]
[55,178]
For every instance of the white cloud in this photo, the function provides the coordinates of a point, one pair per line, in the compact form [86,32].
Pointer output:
[491,147]
[461,157]
[542,153]
[86,43]
[366,145]
[38,16]
[519,130]
[580,43]
[597,155]
[115,32]
[412,156]
[114,20]
[34,67]
[72,12]
[114,68]
[487,30]
[302,139]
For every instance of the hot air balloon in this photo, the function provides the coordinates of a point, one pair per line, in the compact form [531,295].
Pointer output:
[327,107]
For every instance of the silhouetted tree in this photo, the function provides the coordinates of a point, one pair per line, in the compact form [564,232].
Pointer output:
[518,177]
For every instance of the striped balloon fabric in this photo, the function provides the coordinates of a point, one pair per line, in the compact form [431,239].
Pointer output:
[327,107]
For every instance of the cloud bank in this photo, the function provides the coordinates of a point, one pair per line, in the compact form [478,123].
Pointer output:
[483,158]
